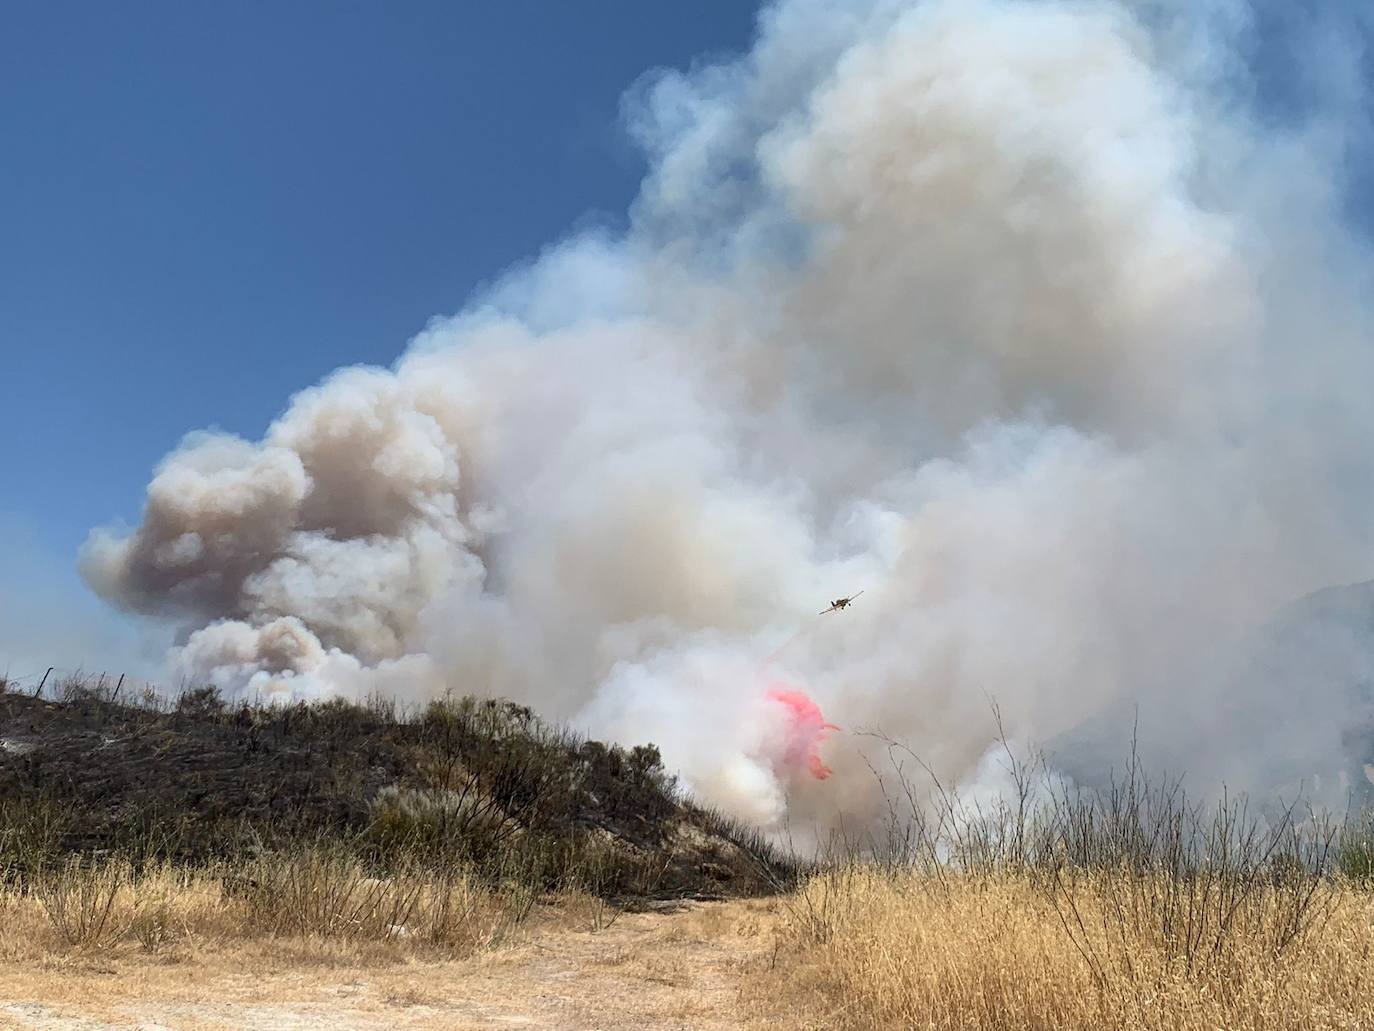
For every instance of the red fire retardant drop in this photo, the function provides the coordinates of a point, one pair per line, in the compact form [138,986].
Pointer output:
[805,729]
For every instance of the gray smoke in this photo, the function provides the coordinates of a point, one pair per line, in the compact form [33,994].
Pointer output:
[1019,316]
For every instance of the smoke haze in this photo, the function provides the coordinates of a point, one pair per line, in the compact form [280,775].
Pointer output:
[1023,317]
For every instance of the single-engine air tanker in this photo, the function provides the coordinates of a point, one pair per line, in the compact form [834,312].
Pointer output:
[840,603]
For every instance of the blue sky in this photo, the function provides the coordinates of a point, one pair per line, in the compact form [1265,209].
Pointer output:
[205,207]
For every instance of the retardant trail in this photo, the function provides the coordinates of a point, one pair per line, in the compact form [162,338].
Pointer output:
[806,728]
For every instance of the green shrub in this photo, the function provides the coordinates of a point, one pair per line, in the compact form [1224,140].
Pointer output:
[1355,850]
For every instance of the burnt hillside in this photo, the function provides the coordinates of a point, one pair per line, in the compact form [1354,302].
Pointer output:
[483,783]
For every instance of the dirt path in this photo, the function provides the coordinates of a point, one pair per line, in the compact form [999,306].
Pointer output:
[643,970]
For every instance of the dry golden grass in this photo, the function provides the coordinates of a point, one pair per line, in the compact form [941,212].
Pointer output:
[644,970]
[302,899]
[865,948]
[857,947]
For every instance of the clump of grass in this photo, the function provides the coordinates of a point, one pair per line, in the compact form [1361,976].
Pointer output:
[32,834]
[80,900]
[325,892]
[154,926]
[313,894]
[432,819]
[1355,852]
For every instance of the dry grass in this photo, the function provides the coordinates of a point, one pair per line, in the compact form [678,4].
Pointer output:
[305,898]
[868,948]
[859,946]
[1128,907]
[646,971]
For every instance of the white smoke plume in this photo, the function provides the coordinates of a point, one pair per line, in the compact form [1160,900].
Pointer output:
[1020,316]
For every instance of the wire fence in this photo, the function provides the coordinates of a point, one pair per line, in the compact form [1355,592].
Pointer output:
[62,683]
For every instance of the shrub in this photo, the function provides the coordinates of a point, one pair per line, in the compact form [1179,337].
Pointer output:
[79,900]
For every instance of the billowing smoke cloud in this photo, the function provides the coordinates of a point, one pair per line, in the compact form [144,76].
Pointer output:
[1024,317]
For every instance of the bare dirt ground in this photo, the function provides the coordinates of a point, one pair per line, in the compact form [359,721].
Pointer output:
[589,970]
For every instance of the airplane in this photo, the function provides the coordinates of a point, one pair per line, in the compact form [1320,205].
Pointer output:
[839,603]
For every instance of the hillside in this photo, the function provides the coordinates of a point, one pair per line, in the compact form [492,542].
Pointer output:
[484,783]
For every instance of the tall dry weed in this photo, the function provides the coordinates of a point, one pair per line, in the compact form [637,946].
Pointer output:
[1129,907]
[866,948]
